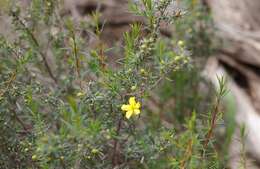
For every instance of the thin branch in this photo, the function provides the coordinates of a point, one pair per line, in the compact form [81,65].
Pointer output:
[36,43]
[8,83]
[115,157]
[17,118]
[213,123]
[214,114]
[75,53]
[187,154]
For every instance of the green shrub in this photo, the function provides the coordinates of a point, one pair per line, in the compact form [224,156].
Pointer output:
[73,110]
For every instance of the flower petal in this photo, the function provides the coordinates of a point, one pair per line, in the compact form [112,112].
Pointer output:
[132,101]
[129,114]
[138,105]
[125,107]
[137,111]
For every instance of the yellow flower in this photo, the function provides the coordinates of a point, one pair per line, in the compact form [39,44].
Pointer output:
[133,108]
[94,151]
[34,157]
[79,94]
[133,87]
[143,72]
[180,43]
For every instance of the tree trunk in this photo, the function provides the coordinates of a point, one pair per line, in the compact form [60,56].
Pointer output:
[238,24]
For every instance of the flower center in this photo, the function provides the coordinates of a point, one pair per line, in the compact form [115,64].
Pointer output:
[132,107]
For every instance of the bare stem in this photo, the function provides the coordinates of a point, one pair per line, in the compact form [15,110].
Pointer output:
[115,157]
